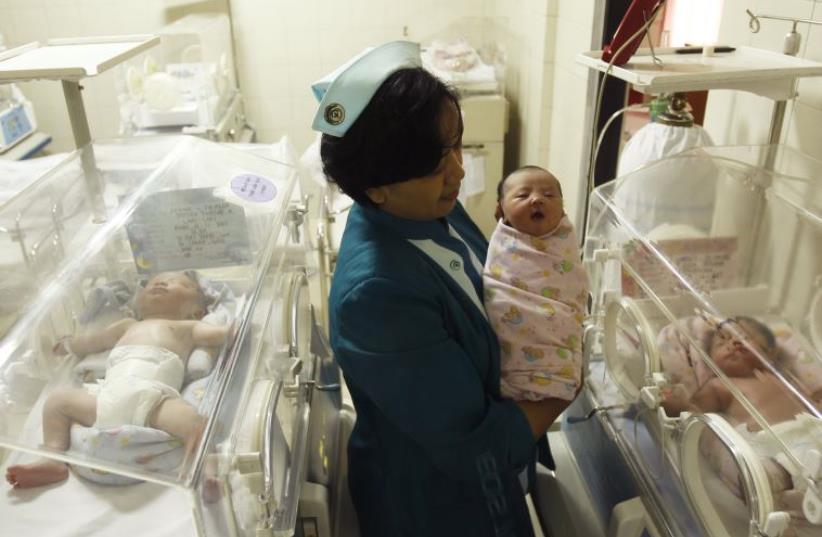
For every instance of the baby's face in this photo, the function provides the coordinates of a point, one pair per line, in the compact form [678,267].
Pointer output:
[171,295]
[735,357]
[532,202]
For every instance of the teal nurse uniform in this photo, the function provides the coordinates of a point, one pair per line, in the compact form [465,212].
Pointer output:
[435,451]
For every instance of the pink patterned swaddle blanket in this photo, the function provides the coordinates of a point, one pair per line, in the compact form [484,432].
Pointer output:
[680,360]
[535,296]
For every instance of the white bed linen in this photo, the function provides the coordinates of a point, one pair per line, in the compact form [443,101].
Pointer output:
[77,507]
[17,175]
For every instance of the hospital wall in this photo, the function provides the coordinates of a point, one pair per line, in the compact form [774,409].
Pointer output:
[283,46]
[566,148]
[744,118]
[24,21]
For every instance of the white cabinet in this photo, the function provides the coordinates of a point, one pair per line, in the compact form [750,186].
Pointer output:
[486,122]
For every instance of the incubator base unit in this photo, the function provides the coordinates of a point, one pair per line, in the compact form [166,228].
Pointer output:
[174,213]
[704,364]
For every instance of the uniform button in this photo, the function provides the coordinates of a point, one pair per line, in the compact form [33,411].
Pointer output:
[455,264]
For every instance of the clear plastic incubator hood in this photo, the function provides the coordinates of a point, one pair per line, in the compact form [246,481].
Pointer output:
[115,214]
[706,348]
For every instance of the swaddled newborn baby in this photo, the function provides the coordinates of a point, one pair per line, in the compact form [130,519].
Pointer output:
[535,289]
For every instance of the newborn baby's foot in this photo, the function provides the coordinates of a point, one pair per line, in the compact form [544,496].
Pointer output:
[36,474]
[212,489]
[212,484]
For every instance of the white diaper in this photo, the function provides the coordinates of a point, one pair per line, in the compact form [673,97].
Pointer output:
[138,379]
[801,435]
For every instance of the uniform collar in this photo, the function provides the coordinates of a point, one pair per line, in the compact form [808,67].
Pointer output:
[406,227]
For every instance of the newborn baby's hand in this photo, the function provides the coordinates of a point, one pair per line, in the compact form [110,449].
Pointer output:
[675,400]
[61,348]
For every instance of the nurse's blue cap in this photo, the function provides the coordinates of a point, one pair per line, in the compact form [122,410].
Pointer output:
[345,93]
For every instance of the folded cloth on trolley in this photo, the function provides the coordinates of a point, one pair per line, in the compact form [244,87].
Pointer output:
[16,175]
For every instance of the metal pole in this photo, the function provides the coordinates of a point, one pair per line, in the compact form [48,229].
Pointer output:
[77,113]
[82,140]
[94,183]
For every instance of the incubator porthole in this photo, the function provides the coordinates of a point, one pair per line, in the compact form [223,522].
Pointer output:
[630,353]
[724,478]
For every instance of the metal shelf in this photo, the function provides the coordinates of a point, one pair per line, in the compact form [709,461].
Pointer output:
[769,74]
[70,59]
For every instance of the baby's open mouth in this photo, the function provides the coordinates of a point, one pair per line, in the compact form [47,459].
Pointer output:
[537,215]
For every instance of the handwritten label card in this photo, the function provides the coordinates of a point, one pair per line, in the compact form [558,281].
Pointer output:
[707,263]
[185,229]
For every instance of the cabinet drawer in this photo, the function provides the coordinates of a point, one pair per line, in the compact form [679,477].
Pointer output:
[485,118]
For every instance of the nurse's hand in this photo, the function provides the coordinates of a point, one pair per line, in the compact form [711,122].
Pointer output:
[541,414]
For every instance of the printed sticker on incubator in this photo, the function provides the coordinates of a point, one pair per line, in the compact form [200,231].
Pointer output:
[252,187]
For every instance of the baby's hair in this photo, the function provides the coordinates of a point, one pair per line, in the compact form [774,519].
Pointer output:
[193,275]
[747,323]
[526,168]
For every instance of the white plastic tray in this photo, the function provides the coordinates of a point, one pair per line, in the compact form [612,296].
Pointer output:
[70,59]
[762,72]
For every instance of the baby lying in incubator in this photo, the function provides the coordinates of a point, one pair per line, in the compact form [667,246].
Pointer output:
[739,361]
[144,373]
[737,346]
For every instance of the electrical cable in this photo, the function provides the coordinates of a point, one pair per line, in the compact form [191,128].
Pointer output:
[589,186]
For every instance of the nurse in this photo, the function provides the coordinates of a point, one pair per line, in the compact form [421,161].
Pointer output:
[435,451]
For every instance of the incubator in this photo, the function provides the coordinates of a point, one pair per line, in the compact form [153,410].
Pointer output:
[170,204]
[45,213]
[704,356]
[186,84]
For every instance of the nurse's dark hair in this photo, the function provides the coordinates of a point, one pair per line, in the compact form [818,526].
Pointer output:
[529,167]
[398,136]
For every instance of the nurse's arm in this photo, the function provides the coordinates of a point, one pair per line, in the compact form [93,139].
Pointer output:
[541,414]
[395,350]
